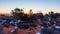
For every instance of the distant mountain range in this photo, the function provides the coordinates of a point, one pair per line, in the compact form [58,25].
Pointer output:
[6,14]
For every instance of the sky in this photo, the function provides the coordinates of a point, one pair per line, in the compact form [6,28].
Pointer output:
[38,5]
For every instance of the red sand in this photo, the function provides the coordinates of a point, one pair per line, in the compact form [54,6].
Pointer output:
[21,31]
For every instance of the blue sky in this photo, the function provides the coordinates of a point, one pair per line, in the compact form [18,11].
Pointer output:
[30,4]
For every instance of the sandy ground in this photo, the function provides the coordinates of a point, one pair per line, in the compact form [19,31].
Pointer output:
[21,31]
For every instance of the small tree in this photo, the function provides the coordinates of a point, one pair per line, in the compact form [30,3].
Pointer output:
[17,13]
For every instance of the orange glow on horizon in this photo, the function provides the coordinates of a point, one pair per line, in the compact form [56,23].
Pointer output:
[4,12]
[26,11]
